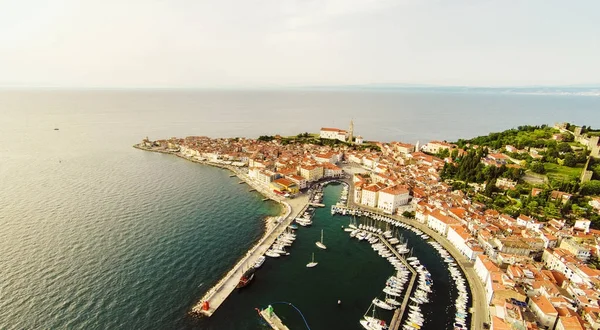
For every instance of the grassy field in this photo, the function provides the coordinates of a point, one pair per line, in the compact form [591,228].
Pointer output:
[562,173]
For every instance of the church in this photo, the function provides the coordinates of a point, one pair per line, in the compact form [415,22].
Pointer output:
[340,134]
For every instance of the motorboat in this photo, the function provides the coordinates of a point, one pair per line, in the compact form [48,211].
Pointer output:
[259,262]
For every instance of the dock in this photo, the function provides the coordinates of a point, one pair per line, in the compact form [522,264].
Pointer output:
[220,291]
[399,313]
[274,321]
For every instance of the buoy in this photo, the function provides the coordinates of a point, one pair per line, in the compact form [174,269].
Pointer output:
[339,302]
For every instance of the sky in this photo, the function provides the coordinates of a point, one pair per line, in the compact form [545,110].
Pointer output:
[278,43]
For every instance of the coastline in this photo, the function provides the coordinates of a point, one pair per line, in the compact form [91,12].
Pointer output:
[273,227]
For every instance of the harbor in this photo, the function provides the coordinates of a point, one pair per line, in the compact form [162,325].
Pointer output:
[305,208]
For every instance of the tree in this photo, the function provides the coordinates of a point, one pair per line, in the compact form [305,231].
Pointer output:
[570,160]
[568,137]
[408,214]
[564,147]
[538,167]
[590,188]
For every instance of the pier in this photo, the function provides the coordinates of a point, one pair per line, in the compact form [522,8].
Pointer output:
[399,313]
[220,291]
[274,321]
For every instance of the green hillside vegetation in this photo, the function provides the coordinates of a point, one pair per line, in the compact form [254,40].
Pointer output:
[561,161]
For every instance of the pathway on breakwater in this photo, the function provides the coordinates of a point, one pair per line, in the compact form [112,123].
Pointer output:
[292,208]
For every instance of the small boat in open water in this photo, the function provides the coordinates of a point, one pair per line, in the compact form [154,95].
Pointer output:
[320,244]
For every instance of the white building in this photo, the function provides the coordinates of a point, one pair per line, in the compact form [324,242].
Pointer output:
[391,198]
[434,147]
[440,222]
[462,240]
[333,134]
[369,195]
[583,224]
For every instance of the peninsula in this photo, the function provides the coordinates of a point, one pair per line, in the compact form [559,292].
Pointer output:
[507,206]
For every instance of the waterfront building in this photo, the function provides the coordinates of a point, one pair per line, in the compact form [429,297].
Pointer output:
[300,181]
[332,171]
[369,194]
[311,172]
[285,185]
[390,198]
[460,237]
[484,266]
[441,222]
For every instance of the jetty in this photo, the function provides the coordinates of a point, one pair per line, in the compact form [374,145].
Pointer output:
[214,297]
[399,313]
[274,321]
[317,204]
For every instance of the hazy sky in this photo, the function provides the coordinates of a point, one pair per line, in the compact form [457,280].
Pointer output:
[246,43]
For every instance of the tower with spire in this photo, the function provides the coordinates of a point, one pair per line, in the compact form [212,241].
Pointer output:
[351,131]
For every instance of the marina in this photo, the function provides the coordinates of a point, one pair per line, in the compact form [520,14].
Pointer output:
[399,303]
[415,318]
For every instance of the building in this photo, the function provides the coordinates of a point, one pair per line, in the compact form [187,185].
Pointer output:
[579,251]
[300,181]
[332,171]
[435,147]
[542,308]
[460,237]
[285,186]
[440,222]
[333,134]
[369,195]
[311,172]
[583,225]
[391,198]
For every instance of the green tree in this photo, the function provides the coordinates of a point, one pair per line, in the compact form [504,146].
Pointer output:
[564,147]
[590,188]
[570,160]
[538,167]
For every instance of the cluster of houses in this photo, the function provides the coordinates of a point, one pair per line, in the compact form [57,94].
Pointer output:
[536,274]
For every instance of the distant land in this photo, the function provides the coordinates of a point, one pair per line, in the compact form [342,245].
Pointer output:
[580,90]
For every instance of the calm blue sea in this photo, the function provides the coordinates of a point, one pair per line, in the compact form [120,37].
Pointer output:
[95,234]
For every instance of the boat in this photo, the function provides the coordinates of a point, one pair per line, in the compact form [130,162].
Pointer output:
[292,226]
[272,254]
[312,263]
[320,244]
[260,262]
[246,278]
[382,304]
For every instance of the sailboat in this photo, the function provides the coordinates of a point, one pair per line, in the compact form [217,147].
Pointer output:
[312,263]
[320,244]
